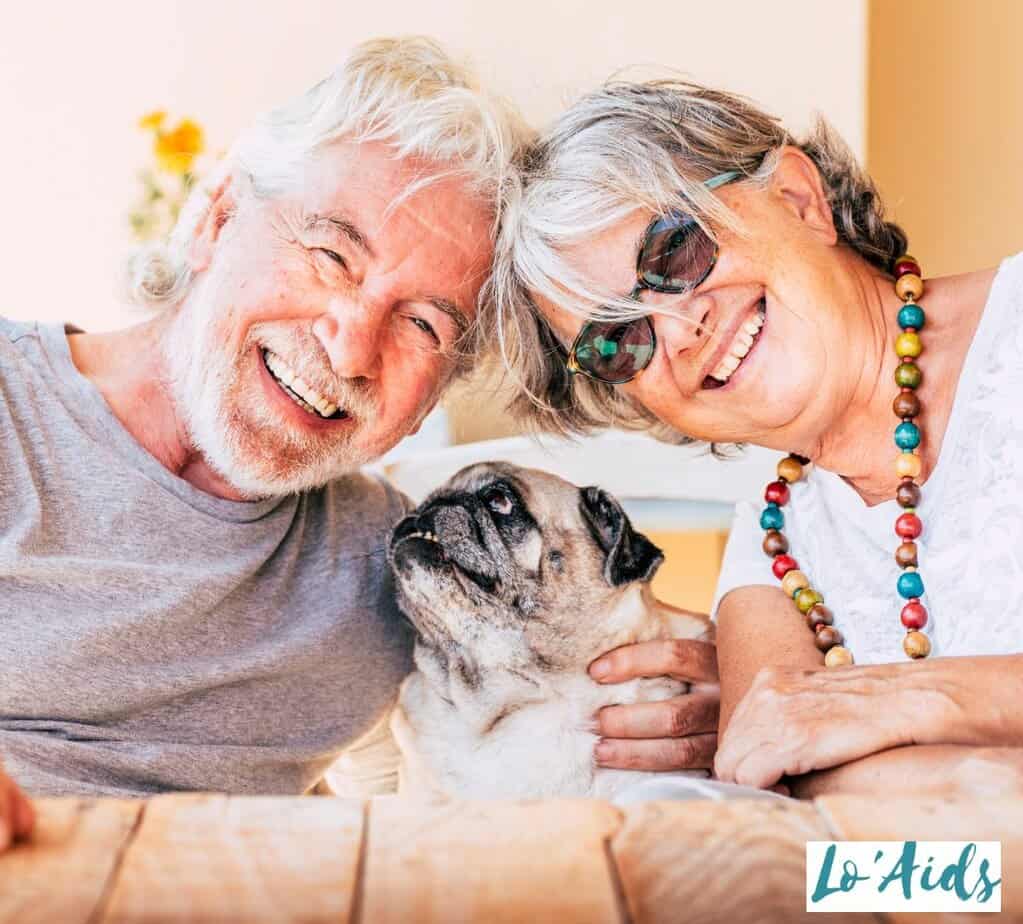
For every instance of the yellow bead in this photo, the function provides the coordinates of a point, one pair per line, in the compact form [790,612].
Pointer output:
[908,345]
[907,465]
[793,581]
[838,657]
[909,287]
[790,470]
[916,645]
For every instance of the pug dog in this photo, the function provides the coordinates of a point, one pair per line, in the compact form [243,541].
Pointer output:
[515,580]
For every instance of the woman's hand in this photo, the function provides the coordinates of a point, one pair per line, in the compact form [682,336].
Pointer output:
[675,734]
[17,817]
[792,721]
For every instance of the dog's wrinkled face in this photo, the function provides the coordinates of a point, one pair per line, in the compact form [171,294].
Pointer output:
[518,563]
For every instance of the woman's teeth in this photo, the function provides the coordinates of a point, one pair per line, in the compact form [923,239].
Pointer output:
[739,347]
[303,395]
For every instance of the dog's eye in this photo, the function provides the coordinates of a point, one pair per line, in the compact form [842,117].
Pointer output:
[498,500]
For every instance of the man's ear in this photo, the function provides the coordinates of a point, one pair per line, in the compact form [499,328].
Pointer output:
[797,182]
[207,231]
[629,556]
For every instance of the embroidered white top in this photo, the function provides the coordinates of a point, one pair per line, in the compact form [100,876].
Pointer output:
[971,550]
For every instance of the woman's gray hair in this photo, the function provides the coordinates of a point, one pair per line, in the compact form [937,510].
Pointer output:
[632,146]
[407,93]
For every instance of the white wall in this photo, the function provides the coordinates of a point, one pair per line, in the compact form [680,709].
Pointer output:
[74,80]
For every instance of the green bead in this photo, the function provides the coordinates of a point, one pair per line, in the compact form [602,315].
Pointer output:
[911,315]
[806,599]
[908,375]
[908,344]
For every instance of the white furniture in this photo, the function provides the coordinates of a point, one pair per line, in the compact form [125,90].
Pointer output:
[663,487]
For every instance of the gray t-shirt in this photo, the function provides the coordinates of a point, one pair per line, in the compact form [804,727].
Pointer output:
[154,637]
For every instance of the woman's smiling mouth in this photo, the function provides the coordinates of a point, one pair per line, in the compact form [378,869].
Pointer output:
[741,346]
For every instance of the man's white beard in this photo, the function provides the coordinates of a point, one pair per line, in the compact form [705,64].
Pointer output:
[229,422]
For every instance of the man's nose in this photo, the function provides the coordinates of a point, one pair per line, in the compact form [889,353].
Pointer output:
[352,332]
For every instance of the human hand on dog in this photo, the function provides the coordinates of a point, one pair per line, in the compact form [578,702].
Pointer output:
[674,734]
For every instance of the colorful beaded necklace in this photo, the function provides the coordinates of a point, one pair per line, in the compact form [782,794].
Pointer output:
[909,287]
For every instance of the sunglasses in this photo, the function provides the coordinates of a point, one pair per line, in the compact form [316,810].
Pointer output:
[676,256]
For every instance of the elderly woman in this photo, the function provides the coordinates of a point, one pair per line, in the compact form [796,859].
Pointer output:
[679,263]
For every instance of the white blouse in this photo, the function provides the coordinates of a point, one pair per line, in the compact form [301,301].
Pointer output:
[971,549]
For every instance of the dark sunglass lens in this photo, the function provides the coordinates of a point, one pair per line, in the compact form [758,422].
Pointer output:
[677,254]
[615,351]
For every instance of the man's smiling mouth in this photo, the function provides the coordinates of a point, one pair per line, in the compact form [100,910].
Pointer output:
[305,396]
[740,347]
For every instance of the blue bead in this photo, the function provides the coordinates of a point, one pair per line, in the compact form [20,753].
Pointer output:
[911,315]
[910,585]
[907,435]
[772,517]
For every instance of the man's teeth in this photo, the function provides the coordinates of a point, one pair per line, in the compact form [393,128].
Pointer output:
[302,394]
[739,347]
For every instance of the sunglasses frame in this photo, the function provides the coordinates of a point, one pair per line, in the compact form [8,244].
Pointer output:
[572,362]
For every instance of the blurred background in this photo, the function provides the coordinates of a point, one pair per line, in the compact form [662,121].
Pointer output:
[929,93]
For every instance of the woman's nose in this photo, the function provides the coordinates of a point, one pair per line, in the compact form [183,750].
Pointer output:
[351,333]
[681,330]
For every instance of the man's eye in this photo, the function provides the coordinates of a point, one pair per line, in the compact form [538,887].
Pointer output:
[424,326]
[334,256]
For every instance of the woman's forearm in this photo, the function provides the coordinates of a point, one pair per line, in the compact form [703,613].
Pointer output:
[923,769]
[974,701]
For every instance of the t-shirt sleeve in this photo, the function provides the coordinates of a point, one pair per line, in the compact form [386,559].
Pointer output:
[744,561]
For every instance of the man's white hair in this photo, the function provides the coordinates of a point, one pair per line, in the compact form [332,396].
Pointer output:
[407,93]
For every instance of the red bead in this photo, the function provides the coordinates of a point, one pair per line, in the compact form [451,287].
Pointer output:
[782,565]
[914,615]
[777,493]
[908,526]
[902,267]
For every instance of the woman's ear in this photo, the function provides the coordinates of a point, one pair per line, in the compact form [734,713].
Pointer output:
[207,232]
[797,185]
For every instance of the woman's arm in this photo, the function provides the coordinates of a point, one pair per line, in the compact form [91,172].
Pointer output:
[758,627]
[783,714]
[923,770]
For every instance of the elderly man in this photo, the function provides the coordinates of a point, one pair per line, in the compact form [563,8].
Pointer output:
[193,588]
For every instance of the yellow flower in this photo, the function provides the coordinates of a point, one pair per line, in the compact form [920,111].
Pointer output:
[175,150]
[152,121]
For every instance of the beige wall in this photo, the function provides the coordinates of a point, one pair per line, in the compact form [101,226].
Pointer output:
[945,126]
[74,77]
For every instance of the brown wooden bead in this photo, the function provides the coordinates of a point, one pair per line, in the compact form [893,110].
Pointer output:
[909,287]
[827,637]
[838,657]
[905,555]
[906,404]
[793,581]
[916,645]
[908,494]
[820,615]
[790,469]
[775,543]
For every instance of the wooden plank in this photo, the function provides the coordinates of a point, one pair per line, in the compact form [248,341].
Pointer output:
[937,819]
[64,871]
[498,862]
[710,862]
[220,858]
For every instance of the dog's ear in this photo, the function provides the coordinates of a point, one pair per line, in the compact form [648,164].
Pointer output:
[629,556]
